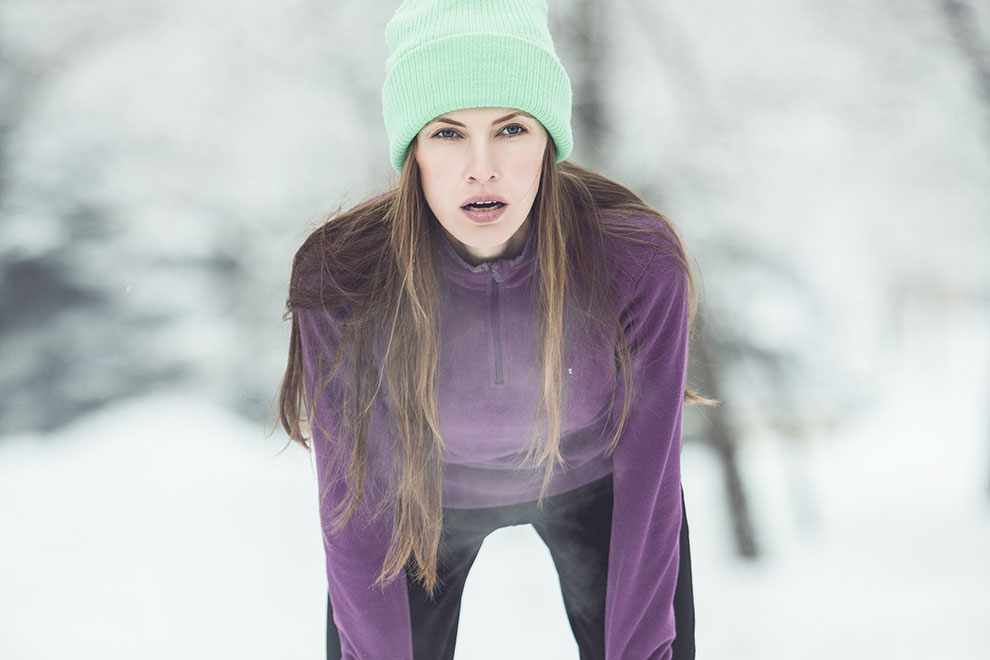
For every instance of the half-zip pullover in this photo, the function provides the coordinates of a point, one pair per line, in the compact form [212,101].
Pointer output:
[489,384]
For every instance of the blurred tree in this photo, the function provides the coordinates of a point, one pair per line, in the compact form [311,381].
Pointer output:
[43,301]
[969,24]
[161,162]
[969,29]
[971,32]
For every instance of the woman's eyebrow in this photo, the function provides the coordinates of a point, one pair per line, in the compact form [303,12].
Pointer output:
[448,120]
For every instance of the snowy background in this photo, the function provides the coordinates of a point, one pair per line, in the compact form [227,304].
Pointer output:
[827,161]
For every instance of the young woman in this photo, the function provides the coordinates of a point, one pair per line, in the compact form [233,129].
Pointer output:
[500,340]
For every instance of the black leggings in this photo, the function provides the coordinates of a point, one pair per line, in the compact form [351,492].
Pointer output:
[576,526]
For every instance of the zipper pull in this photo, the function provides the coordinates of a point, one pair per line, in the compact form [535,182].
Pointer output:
[496,273]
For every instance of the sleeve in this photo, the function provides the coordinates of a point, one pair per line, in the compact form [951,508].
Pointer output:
[646,519]
[373,623]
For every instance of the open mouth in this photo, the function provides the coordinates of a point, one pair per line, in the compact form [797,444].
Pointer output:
[483,206]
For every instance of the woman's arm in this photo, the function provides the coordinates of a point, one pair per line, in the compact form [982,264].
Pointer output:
[373,622]
[644,552]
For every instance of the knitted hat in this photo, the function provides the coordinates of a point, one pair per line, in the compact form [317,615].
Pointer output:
[451,55]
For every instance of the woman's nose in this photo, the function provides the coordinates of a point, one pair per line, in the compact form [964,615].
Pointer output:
[481,166]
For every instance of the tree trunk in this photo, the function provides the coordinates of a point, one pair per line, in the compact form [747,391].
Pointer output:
[721,436]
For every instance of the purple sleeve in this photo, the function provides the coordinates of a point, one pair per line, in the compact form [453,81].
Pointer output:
[644,551]
[373,622]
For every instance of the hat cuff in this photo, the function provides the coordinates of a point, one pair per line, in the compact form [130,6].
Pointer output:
[475,71]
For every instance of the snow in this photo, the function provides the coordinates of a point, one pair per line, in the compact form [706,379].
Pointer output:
[164,527]
[159,527]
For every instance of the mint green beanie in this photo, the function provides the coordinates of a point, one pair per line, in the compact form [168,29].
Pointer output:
[451,55]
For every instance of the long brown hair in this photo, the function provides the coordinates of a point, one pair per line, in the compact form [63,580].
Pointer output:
[373,270]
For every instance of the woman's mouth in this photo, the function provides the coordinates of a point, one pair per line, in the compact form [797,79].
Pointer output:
[484,211]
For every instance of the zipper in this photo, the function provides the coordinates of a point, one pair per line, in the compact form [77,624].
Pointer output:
[496,335]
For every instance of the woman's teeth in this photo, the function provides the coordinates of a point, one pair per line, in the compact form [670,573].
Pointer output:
[483,206]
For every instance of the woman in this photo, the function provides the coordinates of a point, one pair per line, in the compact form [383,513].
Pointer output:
[500,340]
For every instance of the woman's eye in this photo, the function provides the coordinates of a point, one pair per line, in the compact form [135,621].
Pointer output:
[446,133]
[514,129]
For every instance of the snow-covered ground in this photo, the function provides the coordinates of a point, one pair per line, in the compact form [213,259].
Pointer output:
[163,527]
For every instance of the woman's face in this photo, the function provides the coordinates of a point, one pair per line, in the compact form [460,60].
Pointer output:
[471,158]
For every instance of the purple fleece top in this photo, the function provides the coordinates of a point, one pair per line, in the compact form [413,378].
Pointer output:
[487,397]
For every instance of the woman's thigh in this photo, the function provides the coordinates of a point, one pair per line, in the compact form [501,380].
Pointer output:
[576,527]
[434,617]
